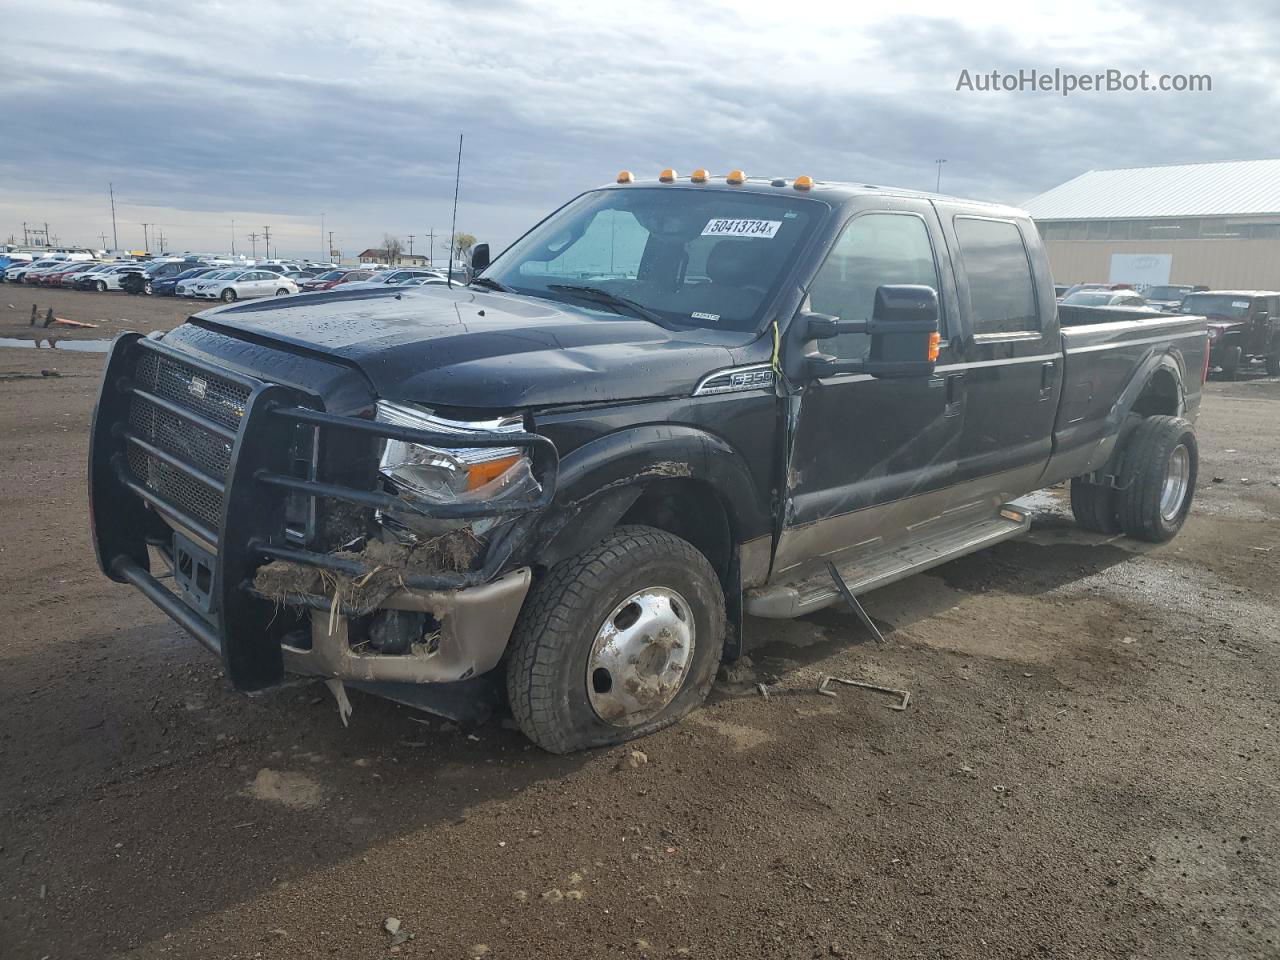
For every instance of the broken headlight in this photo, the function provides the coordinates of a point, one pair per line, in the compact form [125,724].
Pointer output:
[452,474]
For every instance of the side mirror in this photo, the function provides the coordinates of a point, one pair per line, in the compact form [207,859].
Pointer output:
[1263,316]
[903,330]
[479,257]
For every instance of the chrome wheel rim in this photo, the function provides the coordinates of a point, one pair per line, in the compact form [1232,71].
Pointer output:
[1177,477]
[640,657]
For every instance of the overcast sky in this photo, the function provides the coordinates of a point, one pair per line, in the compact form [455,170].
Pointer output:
[271,113]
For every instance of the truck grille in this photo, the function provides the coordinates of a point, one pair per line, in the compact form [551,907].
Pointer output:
[213,398]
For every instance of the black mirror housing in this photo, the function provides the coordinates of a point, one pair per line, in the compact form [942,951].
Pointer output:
[903,329]
[479,257]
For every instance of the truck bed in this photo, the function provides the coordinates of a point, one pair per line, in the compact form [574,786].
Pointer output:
[1110,352]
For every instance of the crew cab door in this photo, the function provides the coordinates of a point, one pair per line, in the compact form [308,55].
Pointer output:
[860,446]
[1009,351]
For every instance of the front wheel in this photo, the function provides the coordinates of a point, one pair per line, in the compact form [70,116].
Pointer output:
[1231,357]
[1158,478]
[102,286]
[228,295]
[616,642]
[148,289]
[282,292]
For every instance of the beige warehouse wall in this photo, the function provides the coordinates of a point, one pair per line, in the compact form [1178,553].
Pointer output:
[1222,264]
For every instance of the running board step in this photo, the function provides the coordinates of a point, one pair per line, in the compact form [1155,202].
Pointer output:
[813,589]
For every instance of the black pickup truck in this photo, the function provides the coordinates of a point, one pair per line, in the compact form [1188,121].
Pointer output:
[667,406]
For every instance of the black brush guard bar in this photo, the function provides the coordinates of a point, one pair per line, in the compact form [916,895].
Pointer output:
[244,630]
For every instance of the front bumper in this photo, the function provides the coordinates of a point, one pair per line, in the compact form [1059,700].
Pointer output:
[186,452]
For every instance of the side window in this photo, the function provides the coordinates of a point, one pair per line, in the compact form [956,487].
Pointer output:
[875,249]
[1001,291]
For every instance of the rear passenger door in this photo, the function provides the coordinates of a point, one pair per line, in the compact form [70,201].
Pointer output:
[1010,355]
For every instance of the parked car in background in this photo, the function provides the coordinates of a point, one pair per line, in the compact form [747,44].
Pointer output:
[110,279]
[1060,290]
[60,278]
[168,286]
[12,260]
[187,288]
[19,271]
[1244,325]
[1104,298]
[337,278]
[1169,297]
[424,281]
[322,281]
[1077,287]
[158,270]
[245,285]
[87,279]
[393,278]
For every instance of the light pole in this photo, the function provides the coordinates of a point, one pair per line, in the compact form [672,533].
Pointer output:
[937,188]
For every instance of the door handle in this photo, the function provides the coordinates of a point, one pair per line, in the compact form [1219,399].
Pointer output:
[955,395]
[1048,378]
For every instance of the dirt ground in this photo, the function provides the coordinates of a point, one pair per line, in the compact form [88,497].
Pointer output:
[1088,767]
[111,313]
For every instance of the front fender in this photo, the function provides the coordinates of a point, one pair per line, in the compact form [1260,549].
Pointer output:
[599,481]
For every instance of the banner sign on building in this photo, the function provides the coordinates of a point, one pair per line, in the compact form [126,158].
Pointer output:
[1141,269]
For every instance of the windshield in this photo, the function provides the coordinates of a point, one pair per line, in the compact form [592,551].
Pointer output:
[1167,293]
[687,258]
[1085,299]
[331,275]
[1217,305]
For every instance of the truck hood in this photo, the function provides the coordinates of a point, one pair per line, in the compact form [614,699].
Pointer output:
[466,348]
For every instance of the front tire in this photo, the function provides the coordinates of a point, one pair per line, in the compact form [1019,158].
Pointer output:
[102,286]
[1094,506]
[1273,364]
[148,289]
[228,295]
[282,292]
[1231,357]
[1158,478]
[616,642]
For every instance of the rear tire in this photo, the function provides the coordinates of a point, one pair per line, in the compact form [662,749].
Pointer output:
[148,289]
[1273,364]
[228,295]
[1230,366]
[565,674]
[1158,478]
[282,292]
[102,286]
[1095,507]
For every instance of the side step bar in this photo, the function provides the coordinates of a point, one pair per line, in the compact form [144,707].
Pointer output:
[812,589]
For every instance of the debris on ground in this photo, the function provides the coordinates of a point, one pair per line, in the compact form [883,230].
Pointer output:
[50,373]
[63,321]
[904,695]
[741,670]
[389,563]
[631,760]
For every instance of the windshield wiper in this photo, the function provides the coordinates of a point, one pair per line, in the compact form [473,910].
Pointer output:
[489,284]
[609,299]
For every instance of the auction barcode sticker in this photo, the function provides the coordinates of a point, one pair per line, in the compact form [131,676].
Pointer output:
[741,228]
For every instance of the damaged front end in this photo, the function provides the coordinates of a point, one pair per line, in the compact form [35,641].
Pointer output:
[285,559]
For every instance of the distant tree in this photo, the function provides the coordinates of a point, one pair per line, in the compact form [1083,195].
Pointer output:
[392,247]
[462,243]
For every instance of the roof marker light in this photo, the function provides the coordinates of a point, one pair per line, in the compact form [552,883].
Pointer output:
[626,177]
[699,176]
[803,183]
[667,176]
[736,176]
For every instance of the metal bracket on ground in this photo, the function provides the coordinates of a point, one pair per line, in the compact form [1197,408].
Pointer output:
[904,696]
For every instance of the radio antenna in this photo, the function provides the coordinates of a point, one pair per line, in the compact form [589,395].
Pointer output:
[453,231]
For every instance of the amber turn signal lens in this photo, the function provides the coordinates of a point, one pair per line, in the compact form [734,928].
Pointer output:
[478,474]
[736,176]
[626,177]
[803,183]
[667,175]
[699,176]
[935,339]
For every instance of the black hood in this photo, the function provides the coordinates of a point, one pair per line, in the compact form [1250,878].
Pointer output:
[466,348]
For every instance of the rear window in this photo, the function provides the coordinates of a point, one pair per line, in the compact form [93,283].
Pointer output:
[1002,293]
[1216,305]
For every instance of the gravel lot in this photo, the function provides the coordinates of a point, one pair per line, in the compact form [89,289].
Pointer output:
[1088,767]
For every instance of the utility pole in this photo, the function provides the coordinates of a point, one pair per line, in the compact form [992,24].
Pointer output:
[103,238]
[330,256]
[146,244]
[322,235]
[26,242]
[937,188]
[431,246]
[266,242]
[233,239]
[115,243]
[253,239]
[46,233]
[411,236]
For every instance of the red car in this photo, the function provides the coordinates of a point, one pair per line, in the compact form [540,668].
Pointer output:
[59,278]
[327,281]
